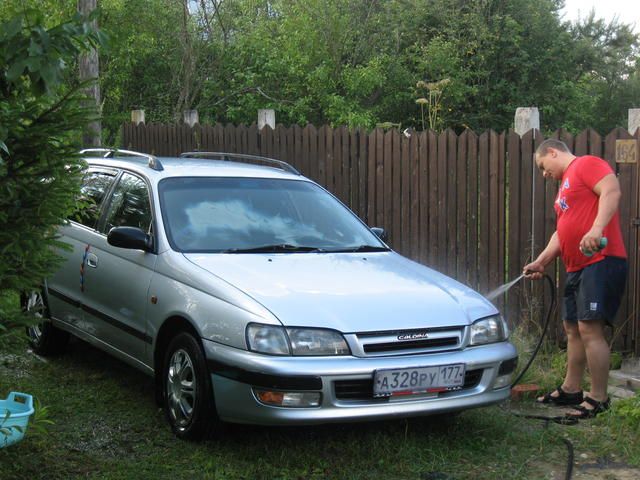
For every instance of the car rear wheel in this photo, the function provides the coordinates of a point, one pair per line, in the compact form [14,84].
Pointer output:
[44,337]
[188,395]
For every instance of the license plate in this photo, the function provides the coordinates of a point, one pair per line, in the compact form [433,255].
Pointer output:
[409,381]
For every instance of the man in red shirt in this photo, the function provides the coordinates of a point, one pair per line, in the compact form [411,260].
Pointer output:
[587,213]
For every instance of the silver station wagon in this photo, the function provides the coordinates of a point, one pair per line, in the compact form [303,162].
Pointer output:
[253,295]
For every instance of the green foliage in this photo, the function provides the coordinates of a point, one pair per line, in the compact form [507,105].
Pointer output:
[627,411]
[41,118]
[357,62]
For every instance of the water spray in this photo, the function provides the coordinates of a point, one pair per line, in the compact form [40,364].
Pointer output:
[506,287]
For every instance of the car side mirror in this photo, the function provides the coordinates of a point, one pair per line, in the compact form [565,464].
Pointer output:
[381,233]
[132,238]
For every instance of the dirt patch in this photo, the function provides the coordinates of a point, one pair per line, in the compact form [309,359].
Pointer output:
[604,469]
[16,366]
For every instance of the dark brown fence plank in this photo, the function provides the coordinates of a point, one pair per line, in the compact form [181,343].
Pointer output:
[495,279]
[462,213]
[305,161]
[372,193]
[387,186]
[415,177]
[379,173]
[424,191]
[363,175]
[337,163]
[329,185]
[515,244]
[218,138]
[452,202]
[297,160]
[527,253]
[502,212]
[312,134]
[539,239]
[322,155]
[442,202]
[595,143]
[434,207]
[473,210]
[344,168]
[581,144]
[484,236]
[354,178]
[394,212]
[634,272]
[405,191]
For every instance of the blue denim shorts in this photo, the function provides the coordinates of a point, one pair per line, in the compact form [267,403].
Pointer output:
[595,292]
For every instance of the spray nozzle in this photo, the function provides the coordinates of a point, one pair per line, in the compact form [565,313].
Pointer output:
[589,253]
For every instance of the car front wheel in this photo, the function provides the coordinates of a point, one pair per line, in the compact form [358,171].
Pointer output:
[44,338]
[188,394]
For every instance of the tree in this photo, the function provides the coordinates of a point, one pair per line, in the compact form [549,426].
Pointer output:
[90,70]
[41,121]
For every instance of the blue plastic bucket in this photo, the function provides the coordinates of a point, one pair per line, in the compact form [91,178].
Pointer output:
[14,416]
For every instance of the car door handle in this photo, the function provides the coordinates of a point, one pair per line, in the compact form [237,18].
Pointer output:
[92,260]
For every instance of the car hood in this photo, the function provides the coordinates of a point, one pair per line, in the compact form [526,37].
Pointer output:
[349,292]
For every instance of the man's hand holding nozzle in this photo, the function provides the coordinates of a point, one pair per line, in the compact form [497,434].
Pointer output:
[533,271]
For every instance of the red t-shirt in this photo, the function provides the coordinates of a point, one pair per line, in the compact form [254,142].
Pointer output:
[576,208]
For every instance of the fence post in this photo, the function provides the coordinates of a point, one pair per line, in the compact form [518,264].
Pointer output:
[266,117]
[190,117]
[634,120]
[137,117]
[526,118]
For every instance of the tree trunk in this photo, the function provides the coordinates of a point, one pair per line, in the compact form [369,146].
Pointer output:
[89,70]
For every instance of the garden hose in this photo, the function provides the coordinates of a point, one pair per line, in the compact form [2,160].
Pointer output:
[562,420]
[547,321]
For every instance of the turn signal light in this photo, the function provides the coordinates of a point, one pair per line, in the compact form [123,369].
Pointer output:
[288,399]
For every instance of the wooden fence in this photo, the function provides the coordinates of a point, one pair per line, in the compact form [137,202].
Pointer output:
[471,206]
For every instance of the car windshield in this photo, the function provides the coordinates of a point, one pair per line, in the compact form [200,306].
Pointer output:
[254,215]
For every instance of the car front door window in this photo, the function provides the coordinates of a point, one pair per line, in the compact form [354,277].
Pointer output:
[129,205]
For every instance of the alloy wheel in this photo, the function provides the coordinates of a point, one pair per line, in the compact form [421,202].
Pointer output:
[181,388]
[35,306]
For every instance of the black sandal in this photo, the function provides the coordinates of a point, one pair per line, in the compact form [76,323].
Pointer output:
[563,398]
[598,407]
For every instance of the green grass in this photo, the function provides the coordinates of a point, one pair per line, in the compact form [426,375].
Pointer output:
[107,426]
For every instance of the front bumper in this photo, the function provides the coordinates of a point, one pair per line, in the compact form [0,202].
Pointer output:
[235,372]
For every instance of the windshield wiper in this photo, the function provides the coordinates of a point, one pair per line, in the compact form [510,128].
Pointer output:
[360,248]
[276,248]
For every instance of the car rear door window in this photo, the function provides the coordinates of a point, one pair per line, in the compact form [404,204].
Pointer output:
[94,187]
[129,206]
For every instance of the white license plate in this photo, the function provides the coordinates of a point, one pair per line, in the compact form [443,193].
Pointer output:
[409,381]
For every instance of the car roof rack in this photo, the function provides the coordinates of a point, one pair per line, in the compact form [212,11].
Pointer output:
[233,157]
[151,160]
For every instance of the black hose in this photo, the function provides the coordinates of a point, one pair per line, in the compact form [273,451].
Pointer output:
[552,306]
[569,460]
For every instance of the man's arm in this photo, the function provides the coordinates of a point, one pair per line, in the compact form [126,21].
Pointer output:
[535,269]
[609,193]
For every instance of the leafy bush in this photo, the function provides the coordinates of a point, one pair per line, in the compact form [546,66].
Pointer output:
[41,121]
[628,410]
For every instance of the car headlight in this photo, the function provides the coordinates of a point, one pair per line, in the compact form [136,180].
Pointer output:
[267,339]
[488,330]
[317,341]
[274,340]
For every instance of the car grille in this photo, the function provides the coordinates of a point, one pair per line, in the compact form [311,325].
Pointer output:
[362,389]
[371,344]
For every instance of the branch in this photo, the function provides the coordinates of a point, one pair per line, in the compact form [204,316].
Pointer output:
[242,91]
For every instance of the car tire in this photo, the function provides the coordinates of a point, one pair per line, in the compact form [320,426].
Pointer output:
[44,338]
[187,391]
